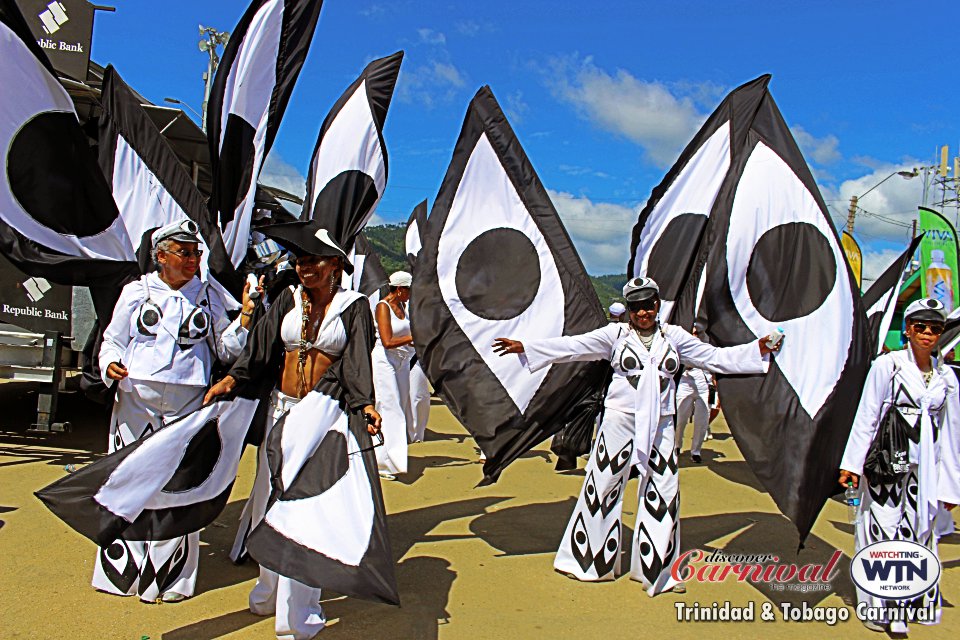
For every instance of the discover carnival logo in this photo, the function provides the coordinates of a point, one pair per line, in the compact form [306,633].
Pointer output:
[895,569]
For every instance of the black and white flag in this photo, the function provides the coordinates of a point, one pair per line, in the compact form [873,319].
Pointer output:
[497,262]
[175,481]
[416,227]
[250,92]
[150,186]
[57,217]
[667,237]
[368,277]
[348,171]
[880,300]
[774,260]
[325,524]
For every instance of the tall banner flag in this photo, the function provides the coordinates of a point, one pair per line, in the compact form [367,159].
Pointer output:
[416,227]
[58,220]
[368,277]
[496,261]
[880,300]
[938,258]
[667,236]
[772,259]
[348,171]
[854,256]
[250,92]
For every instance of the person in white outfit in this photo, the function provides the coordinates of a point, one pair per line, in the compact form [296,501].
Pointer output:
[637,429]
[924,394]
[419,401]
[693,398]
[391,375]
[167,330]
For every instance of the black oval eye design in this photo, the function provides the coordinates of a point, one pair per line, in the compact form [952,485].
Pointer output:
[148,318]
[194,328]
[629,360]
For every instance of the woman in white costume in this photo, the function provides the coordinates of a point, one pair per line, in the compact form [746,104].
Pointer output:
[312,331]
[693,398]
[925,394]
[637,428]
[167,330]
[391,375]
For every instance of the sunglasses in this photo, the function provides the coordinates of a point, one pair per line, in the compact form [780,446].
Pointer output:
[923,327]
[642,305]
[187,254]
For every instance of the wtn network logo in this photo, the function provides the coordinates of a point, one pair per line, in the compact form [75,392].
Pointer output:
[895,569]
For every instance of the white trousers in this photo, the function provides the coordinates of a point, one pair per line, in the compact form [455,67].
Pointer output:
[148,568]
[419,403]
[590,547]
[296,605]
[693,400]
[391,383]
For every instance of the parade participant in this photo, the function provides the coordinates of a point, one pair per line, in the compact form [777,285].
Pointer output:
[924,393]
[617,312]
[693,397]
[313,331]
[391,375]
[419,401]
[637,429]
[167,328]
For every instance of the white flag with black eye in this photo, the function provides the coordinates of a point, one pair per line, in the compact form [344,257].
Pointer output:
[666,242]
[880,300]
[497,262]
[348,171]
[416,226]
[256,75]
[57,217]
[774,261]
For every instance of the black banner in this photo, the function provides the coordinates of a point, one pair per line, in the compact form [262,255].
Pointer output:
[63,29]
[33,304]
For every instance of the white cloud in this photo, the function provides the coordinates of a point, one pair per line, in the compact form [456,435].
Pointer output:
[430,84]
[516,107]
[279,173]
[876,262]
[468,28]
[600,231]
[647,113]
[429,36]
[820,150]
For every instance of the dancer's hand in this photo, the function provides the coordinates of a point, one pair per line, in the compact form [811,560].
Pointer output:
[503,346]
[373,420]
[846,477]
[116,371]
[223,387]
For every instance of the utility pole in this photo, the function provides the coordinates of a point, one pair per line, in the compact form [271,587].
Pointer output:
[851,214]
[211,39]
[913,232]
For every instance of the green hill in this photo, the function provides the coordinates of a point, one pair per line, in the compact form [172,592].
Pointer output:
[388,240]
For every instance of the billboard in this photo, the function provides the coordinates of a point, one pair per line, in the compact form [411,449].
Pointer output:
[33,304]
[854,257]
[938,258]
[63,29]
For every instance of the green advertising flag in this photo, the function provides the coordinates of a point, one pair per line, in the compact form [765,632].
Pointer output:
[938,258]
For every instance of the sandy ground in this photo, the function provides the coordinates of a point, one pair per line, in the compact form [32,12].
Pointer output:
[472,563]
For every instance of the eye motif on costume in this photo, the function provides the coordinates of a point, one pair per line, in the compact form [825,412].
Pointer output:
[194,328]
[148,318]
[118,565]
[629,360]
[670,363]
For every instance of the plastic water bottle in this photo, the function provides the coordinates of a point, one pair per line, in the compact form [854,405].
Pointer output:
[774,338]
[852,496]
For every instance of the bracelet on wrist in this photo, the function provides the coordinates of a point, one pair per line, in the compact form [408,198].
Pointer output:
[247,314]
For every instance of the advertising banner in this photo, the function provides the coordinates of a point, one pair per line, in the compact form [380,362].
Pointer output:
[854,256]
[33,304]
[938,258]
[63,29]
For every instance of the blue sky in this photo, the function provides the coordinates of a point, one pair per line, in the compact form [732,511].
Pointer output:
[602,95]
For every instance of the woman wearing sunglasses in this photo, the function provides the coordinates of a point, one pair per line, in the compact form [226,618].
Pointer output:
[637,429]
[924,393]
[314,331]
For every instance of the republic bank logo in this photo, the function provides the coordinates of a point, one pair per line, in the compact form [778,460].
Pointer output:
[36,288]
[53,17]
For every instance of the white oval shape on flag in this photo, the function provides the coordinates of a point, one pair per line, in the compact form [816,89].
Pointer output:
[351,143]
[895,569]
[486,200]
[770,196]
[692,192]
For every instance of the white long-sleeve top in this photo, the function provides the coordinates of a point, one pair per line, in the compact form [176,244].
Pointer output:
[621,345]
[895,379]
[694,381]
[170,335]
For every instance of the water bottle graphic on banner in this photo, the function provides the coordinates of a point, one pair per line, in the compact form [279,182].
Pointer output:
[940,280]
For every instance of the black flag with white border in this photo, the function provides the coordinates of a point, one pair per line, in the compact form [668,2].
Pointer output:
[774,260]
[496,261]
[57,217]
[250,92]
[880,300]
[667,238]
[416,226]
[348,171]
[173,482]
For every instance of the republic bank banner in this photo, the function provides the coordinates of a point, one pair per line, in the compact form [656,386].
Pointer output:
[33,304]
[63,29]
[938,258]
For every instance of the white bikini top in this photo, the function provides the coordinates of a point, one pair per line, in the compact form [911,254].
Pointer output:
[399,326]
[331,336]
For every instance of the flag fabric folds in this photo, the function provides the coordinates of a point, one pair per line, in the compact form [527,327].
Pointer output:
[369,277]
[250,92]
[497,262]
[880,300]
[348,171]
[416,227]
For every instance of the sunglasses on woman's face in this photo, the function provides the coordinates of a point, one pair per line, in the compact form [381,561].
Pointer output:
[642,305]
[923,327]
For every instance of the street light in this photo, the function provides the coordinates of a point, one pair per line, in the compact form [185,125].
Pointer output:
[852,212]
[183,104]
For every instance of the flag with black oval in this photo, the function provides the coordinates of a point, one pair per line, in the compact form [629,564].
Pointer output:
[497,262]
[774,260]
[880,300]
